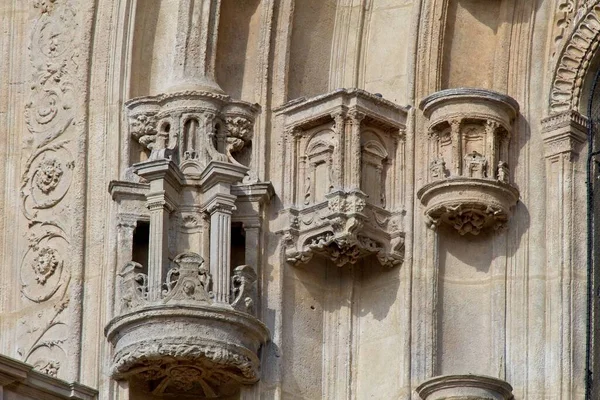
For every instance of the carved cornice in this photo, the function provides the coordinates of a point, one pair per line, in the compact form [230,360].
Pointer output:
[574,60]
[35,384]
[301,112]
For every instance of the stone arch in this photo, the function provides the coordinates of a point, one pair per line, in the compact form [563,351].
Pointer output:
[573,61]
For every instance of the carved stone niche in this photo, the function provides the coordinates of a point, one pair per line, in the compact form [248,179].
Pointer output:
[469,184]
[344,178]
[465,387]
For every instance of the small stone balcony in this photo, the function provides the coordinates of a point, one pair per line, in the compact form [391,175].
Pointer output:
[178,339]
[186,321]
[344,178]
[469,184]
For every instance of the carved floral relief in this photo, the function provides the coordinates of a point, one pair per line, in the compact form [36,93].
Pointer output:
[45,271]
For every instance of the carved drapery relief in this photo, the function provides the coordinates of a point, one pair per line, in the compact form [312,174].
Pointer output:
[339,178]
[47,204]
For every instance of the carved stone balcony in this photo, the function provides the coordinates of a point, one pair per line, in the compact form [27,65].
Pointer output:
[465,387]
[179,339]
[185,326]
[344,178]
[469,179]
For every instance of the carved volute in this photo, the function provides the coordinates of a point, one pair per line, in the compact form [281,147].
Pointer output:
[469,184]
[343,178]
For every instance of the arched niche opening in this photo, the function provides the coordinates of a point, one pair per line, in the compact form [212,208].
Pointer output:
[237,48]
[310,50]
[154,33]
[475,24]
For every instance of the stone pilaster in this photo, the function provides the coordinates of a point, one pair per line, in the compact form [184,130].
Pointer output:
[564,136]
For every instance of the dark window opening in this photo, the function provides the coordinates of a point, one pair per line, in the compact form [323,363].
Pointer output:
[141,242]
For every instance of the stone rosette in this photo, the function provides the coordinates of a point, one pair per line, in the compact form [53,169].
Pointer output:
[465,387]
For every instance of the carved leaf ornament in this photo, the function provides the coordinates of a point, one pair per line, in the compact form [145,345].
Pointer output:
[46,180]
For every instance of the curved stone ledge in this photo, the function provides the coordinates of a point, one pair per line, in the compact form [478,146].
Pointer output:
[469,205]
[465,387]
[470,102]
[205,350]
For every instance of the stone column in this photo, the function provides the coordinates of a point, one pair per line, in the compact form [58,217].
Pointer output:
[339,150]
[165,183]
[196,46]
[159,243]
[125,227]
[215,183]
[220,210]
[456,146]
[356,118]
[491,128]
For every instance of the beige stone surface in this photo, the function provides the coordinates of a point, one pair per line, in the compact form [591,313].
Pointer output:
[295,199]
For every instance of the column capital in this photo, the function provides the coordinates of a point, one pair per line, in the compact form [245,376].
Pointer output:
[127,220]
[221,202]
[564,134]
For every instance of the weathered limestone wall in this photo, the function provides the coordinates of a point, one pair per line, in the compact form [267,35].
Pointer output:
[509,304]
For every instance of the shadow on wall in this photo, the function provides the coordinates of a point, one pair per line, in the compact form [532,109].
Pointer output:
[476,251]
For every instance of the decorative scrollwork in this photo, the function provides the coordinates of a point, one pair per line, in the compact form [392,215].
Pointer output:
[190,279]
[134,286]
[142,128]
[43,266]
[47,179]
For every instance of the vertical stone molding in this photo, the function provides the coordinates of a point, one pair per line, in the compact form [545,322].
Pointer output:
[465,387]
[341,173]
[52,188]
[564,137]
[469,178]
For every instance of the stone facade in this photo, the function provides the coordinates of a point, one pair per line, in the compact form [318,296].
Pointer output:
[298,199]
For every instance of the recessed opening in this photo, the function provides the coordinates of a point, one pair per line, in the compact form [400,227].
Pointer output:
[189,134]
[238,245]
[141,241]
